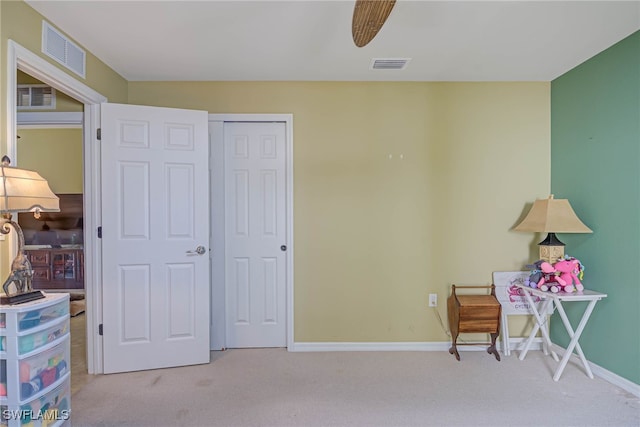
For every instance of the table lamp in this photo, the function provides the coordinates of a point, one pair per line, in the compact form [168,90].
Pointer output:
[552,216]
[22,190]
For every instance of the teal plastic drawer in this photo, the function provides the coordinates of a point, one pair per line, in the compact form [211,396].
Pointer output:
[49,409]
[40,371]
[30,342]
[34,318]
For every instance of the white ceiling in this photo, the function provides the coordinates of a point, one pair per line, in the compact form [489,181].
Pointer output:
[311,40]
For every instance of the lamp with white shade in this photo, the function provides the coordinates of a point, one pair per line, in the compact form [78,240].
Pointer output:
[22,190]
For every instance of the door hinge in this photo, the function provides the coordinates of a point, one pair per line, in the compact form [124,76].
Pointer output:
[99,134]
[100,232]
[100,329]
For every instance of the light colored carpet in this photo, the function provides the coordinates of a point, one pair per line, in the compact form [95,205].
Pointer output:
[79,375]
[272,387]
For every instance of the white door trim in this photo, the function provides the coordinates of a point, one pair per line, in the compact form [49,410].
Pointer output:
[50,120]
[20,58]
[216,163]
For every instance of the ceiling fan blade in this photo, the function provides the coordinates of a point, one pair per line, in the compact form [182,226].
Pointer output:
[368,18]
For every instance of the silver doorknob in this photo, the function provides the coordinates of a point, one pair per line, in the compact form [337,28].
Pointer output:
[200,250]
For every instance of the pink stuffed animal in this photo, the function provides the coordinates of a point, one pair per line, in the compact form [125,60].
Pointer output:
[569,270]
[550,280]
[561,276]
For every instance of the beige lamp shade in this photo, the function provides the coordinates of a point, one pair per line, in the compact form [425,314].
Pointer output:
[552,216]
[23,190]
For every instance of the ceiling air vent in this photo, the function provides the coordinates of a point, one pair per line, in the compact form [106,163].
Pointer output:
[58,46]
[389,63]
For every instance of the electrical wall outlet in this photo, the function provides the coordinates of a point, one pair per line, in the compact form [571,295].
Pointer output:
[433,300]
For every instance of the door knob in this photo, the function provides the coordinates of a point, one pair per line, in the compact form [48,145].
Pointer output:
[200,250]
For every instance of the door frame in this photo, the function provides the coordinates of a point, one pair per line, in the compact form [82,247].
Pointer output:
[216,188]
[20,58]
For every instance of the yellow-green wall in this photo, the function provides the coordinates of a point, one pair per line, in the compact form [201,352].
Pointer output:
[22,24]
[375,235]
[56,154]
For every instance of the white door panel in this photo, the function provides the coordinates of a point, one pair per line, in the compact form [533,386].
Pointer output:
[255,217]
[155,213]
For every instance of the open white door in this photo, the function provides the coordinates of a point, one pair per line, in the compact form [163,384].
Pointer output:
[155,237]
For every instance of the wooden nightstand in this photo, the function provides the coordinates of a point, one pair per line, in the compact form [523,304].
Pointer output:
[474,313]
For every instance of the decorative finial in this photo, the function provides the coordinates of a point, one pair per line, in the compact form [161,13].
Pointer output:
[6,161]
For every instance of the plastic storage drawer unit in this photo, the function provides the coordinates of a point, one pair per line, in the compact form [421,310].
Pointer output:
[35,363]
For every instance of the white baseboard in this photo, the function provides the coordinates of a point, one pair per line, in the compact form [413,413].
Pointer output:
[603,373]
[399,346]
[514,344]
[369,346]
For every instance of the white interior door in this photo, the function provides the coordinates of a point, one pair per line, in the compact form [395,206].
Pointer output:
[155,203]
[256,234]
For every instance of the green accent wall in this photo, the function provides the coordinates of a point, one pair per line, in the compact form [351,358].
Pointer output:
[595,163]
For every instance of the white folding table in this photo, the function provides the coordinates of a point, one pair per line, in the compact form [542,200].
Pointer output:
[557,299]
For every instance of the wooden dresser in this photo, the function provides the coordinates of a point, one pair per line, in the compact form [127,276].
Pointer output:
[57,268]
[474,313]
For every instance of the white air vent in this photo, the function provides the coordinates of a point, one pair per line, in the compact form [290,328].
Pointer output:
[36,97]
[389,63]
[59,47]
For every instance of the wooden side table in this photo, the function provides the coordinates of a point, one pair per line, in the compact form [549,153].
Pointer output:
[474,313]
